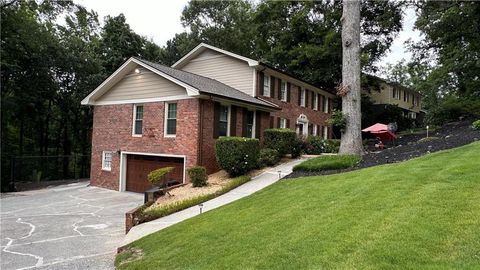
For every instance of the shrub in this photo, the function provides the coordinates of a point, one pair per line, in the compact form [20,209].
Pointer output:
[452,109]
[237,155]
[280,139]
[298,147]
[158,175]
[476,125]
[268,157]
[315,145]
[198,176]
[332,146]
[324,163]
[338,119]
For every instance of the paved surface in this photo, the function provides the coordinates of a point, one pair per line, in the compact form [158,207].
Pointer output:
[257,183]
[67,227]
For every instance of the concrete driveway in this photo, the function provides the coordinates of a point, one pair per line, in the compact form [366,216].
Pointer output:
[66,227]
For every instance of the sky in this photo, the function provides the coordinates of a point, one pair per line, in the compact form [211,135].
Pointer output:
[159,20]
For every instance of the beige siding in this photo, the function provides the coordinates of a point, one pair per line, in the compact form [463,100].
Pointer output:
[140,86]
[223,68]
[385,96]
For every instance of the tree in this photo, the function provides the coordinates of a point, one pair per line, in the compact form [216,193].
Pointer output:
[351,141]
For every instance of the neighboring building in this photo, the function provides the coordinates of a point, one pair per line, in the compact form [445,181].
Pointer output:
[148,116]
[395,94]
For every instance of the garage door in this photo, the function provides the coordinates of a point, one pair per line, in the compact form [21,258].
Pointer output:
[139,166]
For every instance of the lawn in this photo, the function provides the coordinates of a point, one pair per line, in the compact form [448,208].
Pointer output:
[419,214]
[328,162]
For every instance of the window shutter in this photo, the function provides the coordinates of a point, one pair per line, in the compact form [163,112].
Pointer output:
[330,105]
[244,122]
[299,96]
[233,120]
[272,120]
[278,122]
[319,103]
[258,124]
[272,87]
[216,119]
[279,89]
[313,99]
[288,92]
[260,83]
[288,123]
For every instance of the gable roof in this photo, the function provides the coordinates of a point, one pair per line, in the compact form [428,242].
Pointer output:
[251,62]
[193,83]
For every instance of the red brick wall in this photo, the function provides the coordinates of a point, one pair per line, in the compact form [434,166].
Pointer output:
[112,131]
[291,110]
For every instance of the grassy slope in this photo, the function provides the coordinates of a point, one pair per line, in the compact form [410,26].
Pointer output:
[323,163]
[420,214]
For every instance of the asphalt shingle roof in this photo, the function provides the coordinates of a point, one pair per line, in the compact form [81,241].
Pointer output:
[207,85]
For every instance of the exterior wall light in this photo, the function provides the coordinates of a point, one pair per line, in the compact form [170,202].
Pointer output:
[137,70]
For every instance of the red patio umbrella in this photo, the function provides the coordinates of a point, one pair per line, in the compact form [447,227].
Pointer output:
[381,131]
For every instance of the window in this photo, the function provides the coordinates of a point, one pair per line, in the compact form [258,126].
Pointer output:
[325,133]
[405,96]
[171,119]
[283,123]
[412,115]
[223,121]
[302,97]
[266,85]
[107,160]
[315,102]
[396,93]
[314,131]
[415,100]
[283,91]
[137,120]
[250,124]
[325,105]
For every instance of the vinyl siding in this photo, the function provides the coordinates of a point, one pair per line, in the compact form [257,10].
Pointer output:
[223,68]
[140,86]
[385,96]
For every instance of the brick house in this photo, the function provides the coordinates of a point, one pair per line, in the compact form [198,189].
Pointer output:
[148,116]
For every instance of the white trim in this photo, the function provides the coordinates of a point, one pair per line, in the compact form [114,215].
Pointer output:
[165,118]
[254,126]
[315,130]
[283,123]
[142,100]
[283,83]
[315,101]
[123,166]
[269,87]
[135,118]
[303,97]
[104,86]
[254,82]
[104,168]
[202,46]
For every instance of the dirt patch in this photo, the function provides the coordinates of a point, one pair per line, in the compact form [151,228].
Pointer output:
[128,255]
[451,135]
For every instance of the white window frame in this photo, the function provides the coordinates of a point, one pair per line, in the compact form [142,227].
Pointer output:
[283,91]
[229,120]
[315,102]
[135,118]
[104,166]
[406,96]
[325,133]
[396,93]
[267,88]
[302,97]
[315,128]
[283,123]
[325,104]
[165,119]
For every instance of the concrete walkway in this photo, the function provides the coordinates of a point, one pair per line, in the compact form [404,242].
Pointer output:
[257,183]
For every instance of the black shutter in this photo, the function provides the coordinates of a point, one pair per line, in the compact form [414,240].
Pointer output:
[299,96]
[244,122]
[288,123]
[319,103]
[260,83]
[216,119]
[313,99]
[272,120]
[279,89]
[288,92]
[272,86]
[306,98]
[258,124]
[233,120]
[278,122]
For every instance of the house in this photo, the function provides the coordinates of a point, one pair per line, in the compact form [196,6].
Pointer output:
[148,116]
[394,94]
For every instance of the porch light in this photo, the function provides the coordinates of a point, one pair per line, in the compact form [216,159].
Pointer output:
[137,70]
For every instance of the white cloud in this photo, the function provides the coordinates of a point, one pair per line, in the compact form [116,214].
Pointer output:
[158,20]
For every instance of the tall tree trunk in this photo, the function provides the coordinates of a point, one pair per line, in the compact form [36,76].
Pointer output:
[351,142]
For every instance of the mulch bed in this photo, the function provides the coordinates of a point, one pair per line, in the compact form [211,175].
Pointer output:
[407,147]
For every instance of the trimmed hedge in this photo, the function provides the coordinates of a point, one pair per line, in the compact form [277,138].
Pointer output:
[158,175]
[330,162]
[198,176]
[280,139]
[268,157]
[298,148]
[237,155]
[332,146]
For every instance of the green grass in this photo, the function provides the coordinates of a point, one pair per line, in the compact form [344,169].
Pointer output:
[419,214]
[323,163]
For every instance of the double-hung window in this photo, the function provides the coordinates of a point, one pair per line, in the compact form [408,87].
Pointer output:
[314,131]
[250,124]
[405,96]
[171,119]
[223,120]
[107,160]
[315,101]
[137,120]
[266,86]
[283,91]
[283,123]
[302,97]
[325,132]
[395,93]
[325,104]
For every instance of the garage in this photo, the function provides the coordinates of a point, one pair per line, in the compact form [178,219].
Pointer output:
[139,166]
